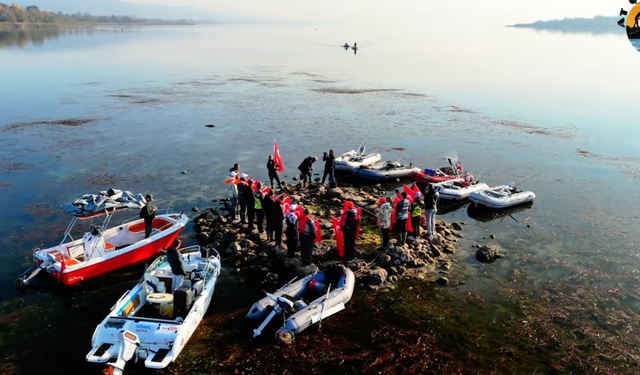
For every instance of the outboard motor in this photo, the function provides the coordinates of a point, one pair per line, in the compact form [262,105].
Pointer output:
[361,150]
[129,344]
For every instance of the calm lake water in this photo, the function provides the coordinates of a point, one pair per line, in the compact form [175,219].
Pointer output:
[515,104]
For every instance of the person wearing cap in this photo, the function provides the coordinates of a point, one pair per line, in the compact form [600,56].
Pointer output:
[291,232]
[233,194]
[305,168]
[416,213]
[148,213]
[431,199]
[402,215]
[349,224]
[384,213]
[307,232]
[329,168]
[250,203]
[174,258]
[258,206]
[272,168]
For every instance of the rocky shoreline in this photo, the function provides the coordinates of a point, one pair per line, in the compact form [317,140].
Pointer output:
[258,261]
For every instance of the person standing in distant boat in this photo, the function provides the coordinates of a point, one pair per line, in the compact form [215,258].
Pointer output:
[329,168]
[431,199]
[273,167]
[148,213]
[176,263]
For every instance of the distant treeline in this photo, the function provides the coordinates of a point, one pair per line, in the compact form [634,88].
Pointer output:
[16,13]
[597,23]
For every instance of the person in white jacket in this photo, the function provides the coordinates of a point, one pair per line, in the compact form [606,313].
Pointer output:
[233,195]
[384,213]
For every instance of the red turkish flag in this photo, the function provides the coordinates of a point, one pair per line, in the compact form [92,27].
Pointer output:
[276,157]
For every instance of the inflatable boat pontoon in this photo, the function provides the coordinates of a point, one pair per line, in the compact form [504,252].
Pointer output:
[501,197]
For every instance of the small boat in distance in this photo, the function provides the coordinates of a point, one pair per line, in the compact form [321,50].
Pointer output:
[152,323]
[500,197]
[104,249]
[383,171]
[353,159]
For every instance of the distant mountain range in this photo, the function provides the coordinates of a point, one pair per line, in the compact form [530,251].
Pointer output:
[595,25]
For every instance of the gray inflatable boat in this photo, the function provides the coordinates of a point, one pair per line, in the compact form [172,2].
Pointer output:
[306,301]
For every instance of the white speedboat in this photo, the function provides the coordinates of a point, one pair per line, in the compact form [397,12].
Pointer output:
[387,170]
[151,323]
[104,249]
[501,197]
[328,290]
[457,190]
[353,159]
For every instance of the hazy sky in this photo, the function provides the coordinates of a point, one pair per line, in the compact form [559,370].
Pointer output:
[486,11]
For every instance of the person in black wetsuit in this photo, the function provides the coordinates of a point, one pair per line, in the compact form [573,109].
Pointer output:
[148,213]
[273,167]
[329,168]
[305,168]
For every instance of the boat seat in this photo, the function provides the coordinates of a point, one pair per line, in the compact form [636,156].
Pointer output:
[198,287]
[154,285]
[108,246]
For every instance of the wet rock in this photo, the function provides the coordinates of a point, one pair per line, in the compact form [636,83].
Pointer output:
[456,226]
[493,237]
[442,281]
[392,279]
[435,251]
[436,239]
[184,172]
[209,126]
[294,178]
[487,254]
[449,249]
[392,271]
[327,226]
[378,276]
[271,279]
[234,249]
[203,236]
[195,209]
[446,264]
[295,267]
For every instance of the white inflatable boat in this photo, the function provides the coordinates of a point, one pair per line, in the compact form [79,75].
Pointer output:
[501,197]
[353,159]
[150,321]
[328,291]
[387,170]
[457,190]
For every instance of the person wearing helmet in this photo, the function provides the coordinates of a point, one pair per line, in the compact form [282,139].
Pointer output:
[306,168]
[148,213]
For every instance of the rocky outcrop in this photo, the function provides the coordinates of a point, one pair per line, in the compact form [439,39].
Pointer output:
[488,254]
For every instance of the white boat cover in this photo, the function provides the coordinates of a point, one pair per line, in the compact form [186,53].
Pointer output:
[93,203]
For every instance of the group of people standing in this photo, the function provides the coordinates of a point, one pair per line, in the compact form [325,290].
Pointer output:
[406,209]
[251,205]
